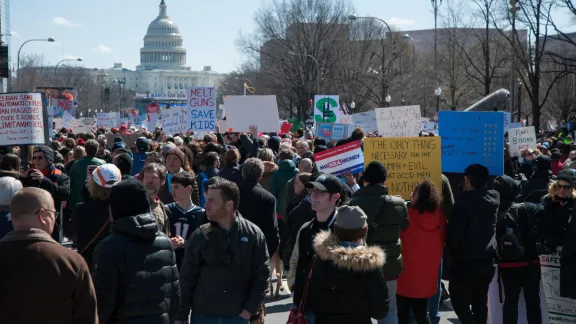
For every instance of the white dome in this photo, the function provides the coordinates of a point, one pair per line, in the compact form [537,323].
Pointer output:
[162,26]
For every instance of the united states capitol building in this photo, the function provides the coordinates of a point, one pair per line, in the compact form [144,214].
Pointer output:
[162,73]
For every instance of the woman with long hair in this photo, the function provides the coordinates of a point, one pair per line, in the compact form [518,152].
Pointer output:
[422,249]
[177,162]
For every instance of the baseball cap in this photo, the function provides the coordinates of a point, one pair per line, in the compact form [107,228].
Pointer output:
[350,217]
[106,175]
[326,183]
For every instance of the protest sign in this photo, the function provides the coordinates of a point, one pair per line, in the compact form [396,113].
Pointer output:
[470,138]
[345,119]
[60,99]
[561,310]
[324,130]
[402,121]
[105,120]
[83,125]
[348,157]
[202,108]
[23,119]
[326,108]
[67,120]
[408,161]
[339,131]
[507,119]
[367,119]
[175,121]
[260,111]
[520,139]
[515,125]
[50,112]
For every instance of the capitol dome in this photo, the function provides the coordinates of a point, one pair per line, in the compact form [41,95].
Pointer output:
[163,48]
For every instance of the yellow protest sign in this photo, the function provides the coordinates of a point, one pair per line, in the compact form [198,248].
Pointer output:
[408,160]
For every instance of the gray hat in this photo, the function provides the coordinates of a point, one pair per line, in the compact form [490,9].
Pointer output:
[350,217]
[167,147]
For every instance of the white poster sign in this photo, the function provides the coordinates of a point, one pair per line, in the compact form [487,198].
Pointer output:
[326,109]
[23,119]
[243,111]
[202,109]
[403,121]
[83,125]
[561,310]
[367,119]
[67,120]
[175,120]
[106,120]
[520,139]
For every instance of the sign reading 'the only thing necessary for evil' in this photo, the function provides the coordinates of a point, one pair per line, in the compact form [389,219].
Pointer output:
[408,160]
[202,108]
[23,117]
[472,138]
[340,159]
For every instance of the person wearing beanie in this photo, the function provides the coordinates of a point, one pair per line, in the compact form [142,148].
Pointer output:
[176,162]
[147,276]
[347,284]
[518,273]
[124,163]
[386,212]
[537,187]
[47,176]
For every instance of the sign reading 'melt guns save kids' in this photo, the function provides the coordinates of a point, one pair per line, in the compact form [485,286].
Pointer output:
[202,108]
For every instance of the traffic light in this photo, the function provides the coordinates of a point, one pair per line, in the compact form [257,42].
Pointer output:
[4,69]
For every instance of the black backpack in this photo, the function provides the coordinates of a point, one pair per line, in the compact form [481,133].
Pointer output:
[509,235]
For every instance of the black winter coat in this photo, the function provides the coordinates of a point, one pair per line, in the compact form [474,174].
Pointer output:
[553,221]
[537,187]
[232,174]
[568,262]
[471,229]
[135,274]
[347,283]
[86,221]
[259,206]
[297,217]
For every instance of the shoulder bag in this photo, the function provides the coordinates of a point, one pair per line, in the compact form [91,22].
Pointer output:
[296,315]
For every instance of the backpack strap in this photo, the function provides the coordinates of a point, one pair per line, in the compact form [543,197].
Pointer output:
[378,218]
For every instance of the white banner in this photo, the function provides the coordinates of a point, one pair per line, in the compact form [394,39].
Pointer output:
[520,139]
[106,120]
[403,121]
[175,121]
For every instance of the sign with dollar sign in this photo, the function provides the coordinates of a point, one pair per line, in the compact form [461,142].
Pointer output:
[326,108]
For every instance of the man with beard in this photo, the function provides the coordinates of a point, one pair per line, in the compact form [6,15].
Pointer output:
[154,177]
[226,261]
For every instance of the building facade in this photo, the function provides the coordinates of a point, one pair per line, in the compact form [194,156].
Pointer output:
[162,73]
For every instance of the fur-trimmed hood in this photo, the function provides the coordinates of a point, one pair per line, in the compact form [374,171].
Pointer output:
[359,259]
[270,167]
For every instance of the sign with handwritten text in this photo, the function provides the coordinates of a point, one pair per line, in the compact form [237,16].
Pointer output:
[175,120]
[106,120]
[561,310]
[520,139]
[472,138]
[408,160]
[23,119]
[402,121]
[202,108]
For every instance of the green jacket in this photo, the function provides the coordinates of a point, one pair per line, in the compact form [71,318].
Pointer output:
[286,171]
[78,174]
[393,220]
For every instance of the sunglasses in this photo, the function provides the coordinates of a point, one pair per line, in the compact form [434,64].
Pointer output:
[565,187]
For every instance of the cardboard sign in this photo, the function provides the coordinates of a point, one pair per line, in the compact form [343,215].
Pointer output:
[202,109]
[326,108]
[175,120]
[408,161]
[472,138]
[520,139]
[23,119]
[106,120]
[340,159]
[366,120]
[243,111]
[404,121]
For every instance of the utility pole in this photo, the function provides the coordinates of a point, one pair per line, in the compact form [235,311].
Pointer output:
[436,4]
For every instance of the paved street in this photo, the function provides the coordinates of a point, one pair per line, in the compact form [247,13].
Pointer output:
[278,310]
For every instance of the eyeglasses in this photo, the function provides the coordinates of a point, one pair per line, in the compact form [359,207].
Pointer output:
[44,209]
[566,187]
[37,158]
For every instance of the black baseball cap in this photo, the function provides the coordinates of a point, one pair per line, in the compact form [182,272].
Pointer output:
[326,183]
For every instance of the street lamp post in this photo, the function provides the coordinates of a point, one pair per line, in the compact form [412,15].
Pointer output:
[388,99]
[436,4]
[20,49]
[406,36]
[519,98]
[438,92]
[79,59]
[513,9]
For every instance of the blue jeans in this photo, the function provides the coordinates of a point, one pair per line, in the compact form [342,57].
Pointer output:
[208,319]
[392,316]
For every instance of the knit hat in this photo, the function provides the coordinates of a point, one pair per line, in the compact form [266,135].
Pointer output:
[124,162]
[80,142]
[350,217]
[176,151]
[117,146]
[106,175]
[375,172]
[326,183]
[47,151]
[129,198]
[167,147]
[567,176]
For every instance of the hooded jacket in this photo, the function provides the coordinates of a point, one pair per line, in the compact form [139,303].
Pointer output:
[537,187]
[471,229]
[422,248]
[269,169]
[347,284]
[286,171]
[135,273]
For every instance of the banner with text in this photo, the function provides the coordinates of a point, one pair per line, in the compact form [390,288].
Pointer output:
[340,159]
[24,119]
[407,160]
[520,139]
[202,109]
[470,138]
[106,120]
[83,125]
[61,99]
[402,121]
[175,120]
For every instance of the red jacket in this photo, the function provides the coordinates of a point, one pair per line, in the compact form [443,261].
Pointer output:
[422,249]
[556,167]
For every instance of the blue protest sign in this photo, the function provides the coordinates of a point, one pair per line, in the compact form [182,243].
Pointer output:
[324,130]
[339,131]
[472,137]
